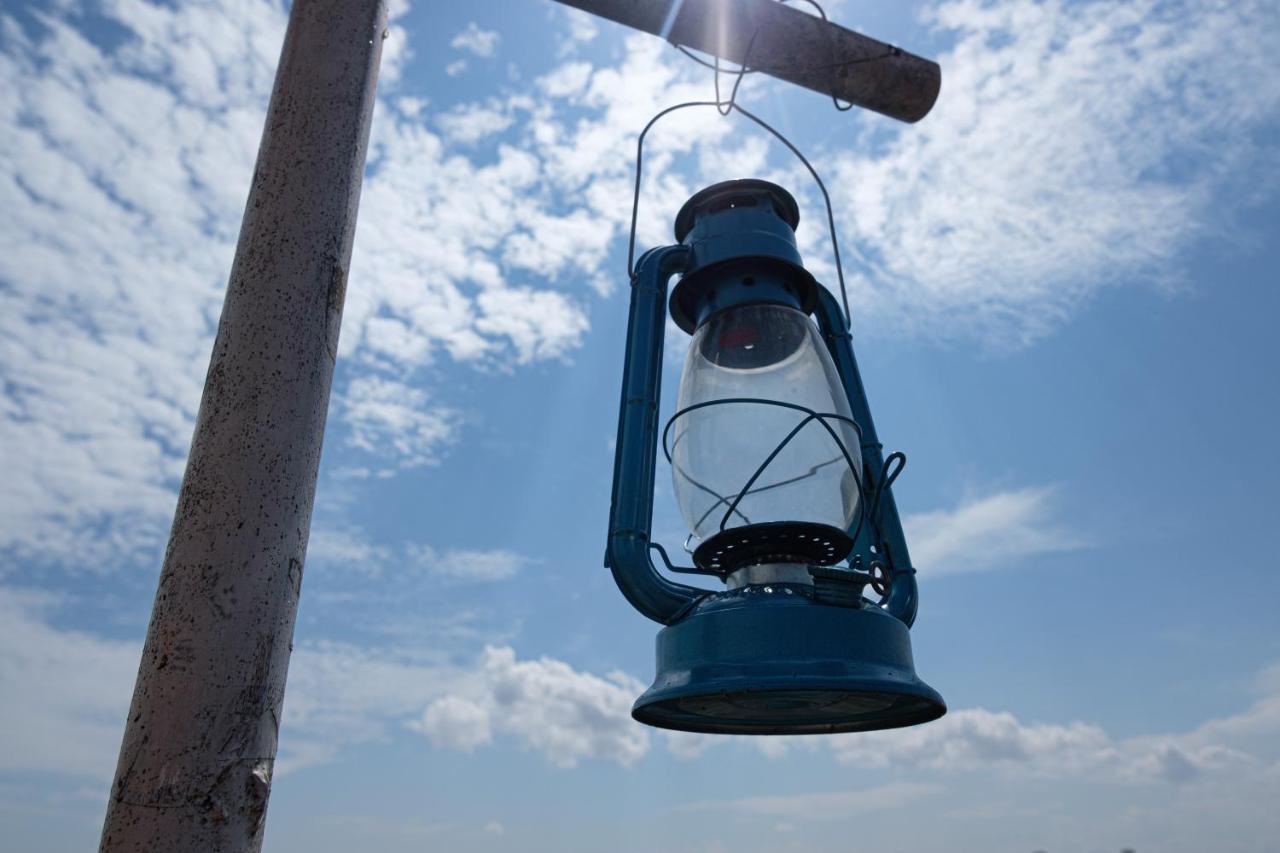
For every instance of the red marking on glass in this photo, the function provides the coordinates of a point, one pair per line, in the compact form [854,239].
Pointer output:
[739,336]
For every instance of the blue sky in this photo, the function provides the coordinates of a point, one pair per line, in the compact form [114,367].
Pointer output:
[1064,291]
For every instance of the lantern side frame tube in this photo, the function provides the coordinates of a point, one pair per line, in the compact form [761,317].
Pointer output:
[904,596]
[628,553]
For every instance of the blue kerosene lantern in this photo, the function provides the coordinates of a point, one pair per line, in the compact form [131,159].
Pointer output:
[778,472]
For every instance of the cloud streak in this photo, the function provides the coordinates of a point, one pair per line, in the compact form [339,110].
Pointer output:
[996,531]
[476,41]
[564,714]
[477,566]
[823,805]
[69,691]
[123,196]
[392,419]
[974,739]
[1075,147]
[66,692]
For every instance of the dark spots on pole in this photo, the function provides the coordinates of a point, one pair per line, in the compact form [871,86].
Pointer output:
[224,619]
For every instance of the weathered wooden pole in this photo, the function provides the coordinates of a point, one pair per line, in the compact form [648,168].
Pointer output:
[195,767]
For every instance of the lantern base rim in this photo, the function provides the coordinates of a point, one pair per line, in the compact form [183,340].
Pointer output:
[808,711]
[771,660]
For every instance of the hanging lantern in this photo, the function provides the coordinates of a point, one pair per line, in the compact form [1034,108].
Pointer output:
[779,475]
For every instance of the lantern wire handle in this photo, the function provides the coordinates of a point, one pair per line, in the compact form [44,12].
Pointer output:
[684,570]
[635,197]
[724,107]
[826,197]
[884,482]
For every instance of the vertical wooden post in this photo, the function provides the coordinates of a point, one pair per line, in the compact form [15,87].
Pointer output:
[196,763]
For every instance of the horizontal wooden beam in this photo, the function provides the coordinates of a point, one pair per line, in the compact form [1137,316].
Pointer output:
[788,44]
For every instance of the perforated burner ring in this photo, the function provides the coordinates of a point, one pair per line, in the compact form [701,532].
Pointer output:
[773,542]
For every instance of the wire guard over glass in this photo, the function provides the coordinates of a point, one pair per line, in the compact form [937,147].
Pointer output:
[748,543]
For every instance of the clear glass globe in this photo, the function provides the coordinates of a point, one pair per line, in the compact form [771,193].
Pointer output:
[769,353]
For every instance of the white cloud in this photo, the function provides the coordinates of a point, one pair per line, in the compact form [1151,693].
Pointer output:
[337,543]
[411,106]
[456,723]
[564,714]
[822,805]
[391,418]
[66,693]
[689,745]
[1067,153]
[1075,146]
[540,324]
[348,547]
[377,831]
[453,69]
[396,48]
[567,80]
[474,40]
[120,212]
[429,250]
[473,122]
[340,695]
[1268,681]
[991,532]
[582,25]
[469,564]
[124,196]
[975,738]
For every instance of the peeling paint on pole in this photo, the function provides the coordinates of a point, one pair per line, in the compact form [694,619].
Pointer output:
[199,746]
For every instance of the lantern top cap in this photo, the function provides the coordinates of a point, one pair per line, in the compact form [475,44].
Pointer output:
[737,193]
[741,237]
